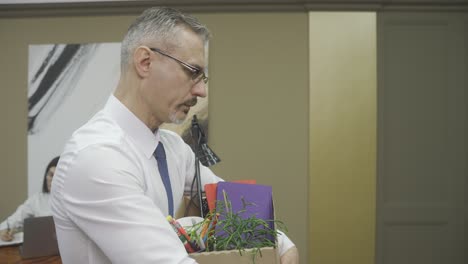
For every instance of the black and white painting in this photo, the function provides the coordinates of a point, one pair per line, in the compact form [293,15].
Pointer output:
[67,85]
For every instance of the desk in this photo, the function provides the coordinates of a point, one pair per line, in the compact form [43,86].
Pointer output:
[11,255]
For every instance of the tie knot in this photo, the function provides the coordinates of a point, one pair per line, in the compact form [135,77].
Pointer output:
[160,153]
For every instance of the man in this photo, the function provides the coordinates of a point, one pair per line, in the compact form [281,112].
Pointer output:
[110,195]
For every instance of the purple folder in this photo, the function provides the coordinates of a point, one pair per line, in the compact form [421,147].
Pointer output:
[260,195]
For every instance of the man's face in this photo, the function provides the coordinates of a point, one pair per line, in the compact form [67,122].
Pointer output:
[170,90]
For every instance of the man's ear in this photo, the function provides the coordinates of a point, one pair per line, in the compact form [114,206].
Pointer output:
[142,61]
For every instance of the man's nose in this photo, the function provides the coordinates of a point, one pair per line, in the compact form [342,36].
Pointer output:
[199,89]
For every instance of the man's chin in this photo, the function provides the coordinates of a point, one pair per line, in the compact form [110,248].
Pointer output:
[178,117]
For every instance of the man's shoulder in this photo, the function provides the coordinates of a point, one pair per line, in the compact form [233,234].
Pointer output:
[168,133]
[99,130]
[171,137]
[101,139]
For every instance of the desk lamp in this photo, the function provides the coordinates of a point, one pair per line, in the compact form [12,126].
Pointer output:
[203,154]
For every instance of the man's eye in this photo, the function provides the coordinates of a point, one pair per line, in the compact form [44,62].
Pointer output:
[196,73]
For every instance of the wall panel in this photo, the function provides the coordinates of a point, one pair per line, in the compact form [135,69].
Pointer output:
[342,136]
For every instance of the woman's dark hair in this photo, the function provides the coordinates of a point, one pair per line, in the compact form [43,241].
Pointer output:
[52,163]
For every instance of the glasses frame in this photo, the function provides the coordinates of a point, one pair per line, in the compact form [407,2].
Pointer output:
[196,72]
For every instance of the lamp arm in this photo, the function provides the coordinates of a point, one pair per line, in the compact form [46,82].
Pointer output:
[199,189]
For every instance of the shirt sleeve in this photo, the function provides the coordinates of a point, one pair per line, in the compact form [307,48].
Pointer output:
[284,243]
[22,212]
[104,195]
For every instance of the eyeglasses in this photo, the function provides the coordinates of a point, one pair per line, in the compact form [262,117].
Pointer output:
[197,73]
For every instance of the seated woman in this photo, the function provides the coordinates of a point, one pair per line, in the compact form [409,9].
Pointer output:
[36,205]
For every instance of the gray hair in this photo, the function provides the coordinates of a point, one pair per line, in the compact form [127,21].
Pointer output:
[158,24]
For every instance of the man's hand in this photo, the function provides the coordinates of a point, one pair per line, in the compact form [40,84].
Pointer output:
[6,235]
[291,256]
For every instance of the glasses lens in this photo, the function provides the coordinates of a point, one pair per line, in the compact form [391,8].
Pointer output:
[198,76]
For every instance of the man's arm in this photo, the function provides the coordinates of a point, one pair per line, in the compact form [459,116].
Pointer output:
[105,197]
[287,250]
[291,256]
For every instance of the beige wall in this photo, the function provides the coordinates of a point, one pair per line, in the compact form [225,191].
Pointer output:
[259,95]
[343,87]
[258,100]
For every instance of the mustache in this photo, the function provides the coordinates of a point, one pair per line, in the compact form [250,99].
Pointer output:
[191,102]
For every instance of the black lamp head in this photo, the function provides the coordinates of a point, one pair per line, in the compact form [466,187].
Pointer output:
[206,156]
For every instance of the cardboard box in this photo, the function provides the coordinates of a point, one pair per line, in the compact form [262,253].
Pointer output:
[269,255]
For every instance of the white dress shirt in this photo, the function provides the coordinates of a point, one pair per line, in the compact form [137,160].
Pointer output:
[35,206]
[108,200]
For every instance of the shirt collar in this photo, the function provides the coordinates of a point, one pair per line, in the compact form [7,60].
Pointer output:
[145,139]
